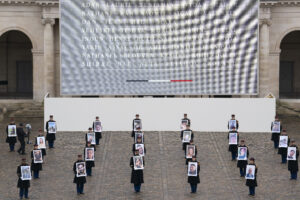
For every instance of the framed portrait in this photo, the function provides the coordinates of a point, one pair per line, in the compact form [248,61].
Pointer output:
[80,169]
[187,135]
[51,127]
[291,154]
[97,126]
[137,123]
[232,124]
[276,127]
[283,141]
[138,163]
[37,156]
[12,131]
[89,154]
[242,153]
[233,138]
[25,173]
[190,151]
[41,142]
[137,135]
[91,138]
[250,172]
[141,149]
[192,168]
[184,122]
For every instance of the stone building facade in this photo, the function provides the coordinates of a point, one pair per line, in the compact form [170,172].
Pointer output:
[30,60]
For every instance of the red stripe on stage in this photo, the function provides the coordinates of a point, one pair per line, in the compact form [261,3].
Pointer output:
[181,80]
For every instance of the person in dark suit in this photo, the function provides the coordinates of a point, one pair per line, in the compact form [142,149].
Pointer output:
[80,181]
[293,164]
[242,164]
[21,137]
[283,150]
[252,183]
[36,167]
[11,140]
[50,137]
[194,180]
[97,128]
[137,176]
[231,125]
[275,136]
[181,136]
[23,185]
[89,163]
[233,148]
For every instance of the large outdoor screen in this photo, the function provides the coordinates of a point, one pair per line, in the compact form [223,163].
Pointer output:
[143,47]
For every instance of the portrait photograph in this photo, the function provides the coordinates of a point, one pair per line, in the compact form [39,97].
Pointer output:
[51,127]
[138,162]
[232,124]
[232,138]
[89,154]
[12,130]
[25,173]
[283,141]
[242,153]
[137,123]
[97,126]
[184,122]
[190,151]
[139,134]
[276,127]
[250,172]
[80,169]
[91,138]
[192,168]
[41,142]
[291,154]
[37,156]
[140,147]
[186,136]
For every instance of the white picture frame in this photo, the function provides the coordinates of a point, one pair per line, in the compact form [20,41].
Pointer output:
[41,142]
[291,153]
[91,137]
[183,124]
[250,172]
[138,163]
[89,154]
[37,156]
[97,126]
[192,169]
[25,173]
[283,141]
[233,138]
[242,153]
[276,127]
[232,124]
[80,169]
[12,131]
[186,136]
[137,123]
[52,127]
[140,148]
[137,134]
[190,151]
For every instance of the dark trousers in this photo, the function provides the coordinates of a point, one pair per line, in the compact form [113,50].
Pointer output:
[11,147]
[276,143]
[51,144]
[89,171]
[79,187]
[193,188]
[36,174]
[23,192]
[252,190]
[283,158]
[233,155]
[137,187]
[97,140]
[242,171]
[294,175]
[22,147]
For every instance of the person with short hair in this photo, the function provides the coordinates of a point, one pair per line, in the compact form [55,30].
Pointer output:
[21,137]
[233,148]
[134,128]
[181,136]
[11,140]
[190,159]
[89,163]
[194,180]
[90,130]
[275,135]
[36,167]
[98,134]
[23,185]
[252,183]
[41,134]
[138,141]
[242,164]
[230,126]
[80,181]
[137,176]
[293,164]
[283,150]
[185,118]
[50,137]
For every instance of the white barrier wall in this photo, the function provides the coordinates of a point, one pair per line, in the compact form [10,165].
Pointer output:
[161,114]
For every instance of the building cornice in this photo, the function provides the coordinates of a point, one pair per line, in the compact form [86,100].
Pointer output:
[30,2]
[279,3]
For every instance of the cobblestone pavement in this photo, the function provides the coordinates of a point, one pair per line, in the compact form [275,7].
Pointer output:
[165,172]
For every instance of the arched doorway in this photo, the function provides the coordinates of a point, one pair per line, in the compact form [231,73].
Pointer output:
[289,78]
[16,77]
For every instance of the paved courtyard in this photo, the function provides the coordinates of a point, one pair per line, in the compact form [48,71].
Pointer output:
[165,172]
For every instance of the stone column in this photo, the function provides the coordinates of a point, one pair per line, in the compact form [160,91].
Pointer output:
[264,71]
[274,63]
[49,64]
[38,75]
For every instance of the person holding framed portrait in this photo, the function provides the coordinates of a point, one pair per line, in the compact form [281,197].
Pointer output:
[36,161]
[97,128]
[24,179]
[136,125]
[11,132]
[233,138]
[139,134]
[51,132]
[251,176]
[137,175]
[243,154]
[276,129]
[233,123]
[139,146]
[41,142]
[90,137]
[191,150]
[185,121]
[186,136]
[193,174]
[89,154]
[293,155]
[79,172]
[282,149]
